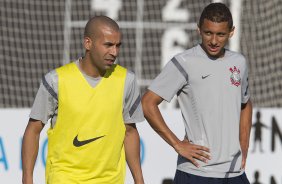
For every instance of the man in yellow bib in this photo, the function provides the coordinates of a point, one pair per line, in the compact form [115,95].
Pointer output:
[93,105]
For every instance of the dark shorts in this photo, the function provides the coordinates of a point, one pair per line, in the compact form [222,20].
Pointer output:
[186,178]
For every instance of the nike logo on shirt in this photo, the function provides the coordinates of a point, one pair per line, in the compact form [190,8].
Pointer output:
[203,77]
[78,143]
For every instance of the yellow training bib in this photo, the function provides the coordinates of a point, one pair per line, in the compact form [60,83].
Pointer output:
[86,144]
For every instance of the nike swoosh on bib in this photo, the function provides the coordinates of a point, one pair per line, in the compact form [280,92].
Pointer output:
[78,143]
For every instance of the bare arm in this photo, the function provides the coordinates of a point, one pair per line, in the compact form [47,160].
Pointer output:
[245,128]
[152,113]
[132,151]
[30,149]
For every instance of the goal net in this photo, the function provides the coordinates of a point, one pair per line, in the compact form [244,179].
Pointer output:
[38,36]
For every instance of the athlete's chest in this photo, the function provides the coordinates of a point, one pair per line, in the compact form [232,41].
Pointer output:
[214,78]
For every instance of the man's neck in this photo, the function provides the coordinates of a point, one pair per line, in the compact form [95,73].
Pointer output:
[89,69]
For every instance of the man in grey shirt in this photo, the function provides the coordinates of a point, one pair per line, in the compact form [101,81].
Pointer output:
[211,84]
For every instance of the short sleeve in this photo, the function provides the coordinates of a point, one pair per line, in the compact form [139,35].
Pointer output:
[171,79]
[245,86]
[45,103]
[132,111]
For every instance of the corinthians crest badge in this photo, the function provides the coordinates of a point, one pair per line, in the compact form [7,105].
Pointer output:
[235,76]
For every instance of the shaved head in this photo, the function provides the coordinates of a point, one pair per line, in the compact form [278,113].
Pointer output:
[93,26]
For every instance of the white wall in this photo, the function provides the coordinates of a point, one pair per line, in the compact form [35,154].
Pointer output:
[158,159]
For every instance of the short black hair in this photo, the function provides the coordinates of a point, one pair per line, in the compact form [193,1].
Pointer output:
[216,12]
[96,21]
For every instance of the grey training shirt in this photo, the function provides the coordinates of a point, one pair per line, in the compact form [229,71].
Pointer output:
[45,104]
[210,93]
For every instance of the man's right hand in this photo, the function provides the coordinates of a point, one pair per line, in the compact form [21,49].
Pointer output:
[193,152]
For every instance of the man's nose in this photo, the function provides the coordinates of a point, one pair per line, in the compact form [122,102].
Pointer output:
[114,51]
[214,40]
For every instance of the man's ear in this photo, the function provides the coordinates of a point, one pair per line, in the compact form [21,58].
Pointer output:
[198,29]
[231,32]
[87,43]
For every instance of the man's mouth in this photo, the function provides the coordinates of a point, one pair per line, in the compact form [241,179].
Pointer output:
[110,61]
[213,48]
